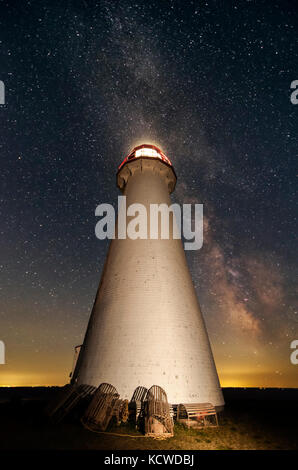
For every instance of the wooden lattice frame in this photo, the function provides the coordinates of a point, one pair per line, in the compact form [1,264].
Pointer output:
[202,413]
[137,402]
[103,406]
[67,399]
[157,410]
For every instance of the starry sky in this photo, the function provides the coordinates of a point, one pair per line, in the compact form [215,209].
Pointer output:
[206,81]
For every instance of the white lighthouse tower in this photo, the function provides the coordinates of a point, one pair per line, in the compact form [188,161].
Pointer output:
[146,326]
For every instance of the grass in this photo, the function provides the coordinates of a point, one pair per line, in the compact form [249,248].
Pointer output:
[246,425]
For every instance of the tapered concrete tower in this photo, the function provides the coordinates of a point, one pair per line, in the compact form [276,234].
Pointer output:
[146,326]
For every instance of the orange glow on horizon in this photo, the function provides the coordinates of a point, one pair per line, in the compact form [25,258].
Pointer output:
[227,380]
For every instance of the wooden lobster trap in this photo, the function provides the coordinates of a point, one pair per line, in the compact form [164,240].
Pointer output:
[69,397]
[105,404]
[137,402]
[158,420]
[197,414]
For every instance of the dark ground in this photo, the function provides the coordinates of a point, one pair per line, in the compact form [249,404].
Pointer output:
[252,419]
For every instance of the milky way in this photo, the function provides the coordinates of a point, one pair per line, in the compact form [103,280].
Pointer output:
[208,82]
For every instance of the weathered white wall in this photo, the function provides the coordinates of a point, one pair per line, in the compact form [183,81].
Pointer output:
[146,326]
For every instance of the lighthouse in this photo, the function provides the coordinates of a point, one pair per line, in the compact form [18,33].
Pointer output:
[146,326]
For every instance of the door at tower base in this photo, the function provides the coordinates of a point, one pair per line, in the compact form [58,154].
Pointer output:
[146,326]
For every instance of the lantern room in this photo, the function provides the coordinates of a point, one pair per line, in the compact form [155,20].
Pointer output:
[146,151]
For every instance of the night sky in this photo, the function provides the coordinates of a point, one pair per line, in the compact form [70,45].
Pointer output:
[209,83]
